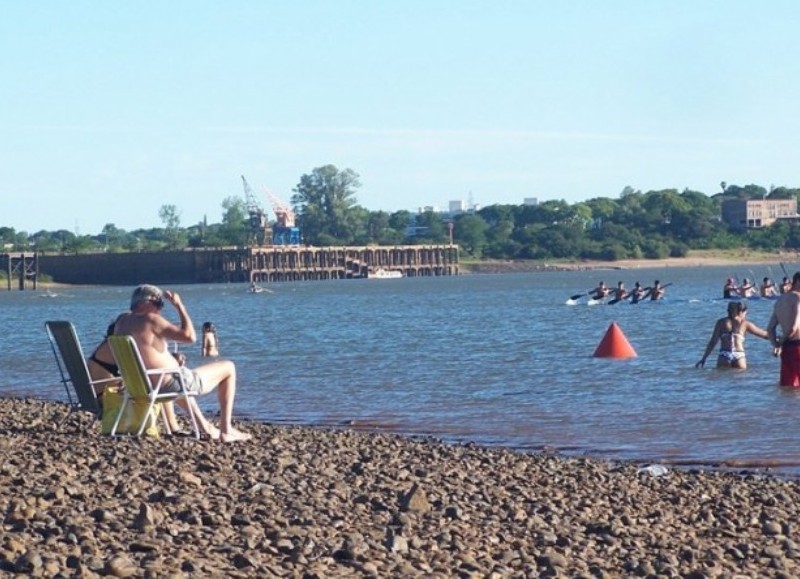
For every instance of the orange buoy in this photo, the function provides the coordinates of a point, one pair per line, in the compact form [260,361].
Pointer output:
[614,344]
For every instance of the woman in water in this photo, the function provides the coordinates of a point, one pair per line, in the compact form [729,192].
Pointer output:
[210,341]
[730,332]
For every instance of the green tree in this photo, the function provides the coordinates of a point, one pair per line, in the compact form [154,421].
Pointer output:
[174,236]
[234,227]
[431,229]
[326,205]
[470,233]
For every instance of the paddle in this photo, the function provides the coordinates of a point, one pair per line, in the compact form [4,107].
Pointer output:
[617,300]
[574,297]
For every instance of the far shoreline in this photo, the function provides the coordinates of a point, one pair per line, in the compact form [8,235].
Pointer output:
[704,258]
[694,259]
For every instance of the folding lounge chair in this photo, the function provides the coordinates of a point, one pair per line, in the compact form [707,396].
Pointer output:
[72,367]
[136,379]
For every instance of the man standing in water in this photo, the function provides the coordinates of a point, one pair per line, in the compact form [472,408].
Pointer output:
[786,314]
[151,331]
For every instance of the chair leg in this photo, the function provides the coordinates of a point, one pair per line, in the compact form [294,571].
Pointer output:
[195,426]
[125,399]
[146,419]
[164,418]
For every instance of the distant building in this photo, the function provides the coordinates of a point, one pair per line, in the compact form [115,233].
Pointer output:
[456,207]
[530,201]
[744,214]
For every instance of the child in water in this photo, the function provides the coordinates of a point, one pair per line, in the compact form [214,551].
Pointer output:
[210,347]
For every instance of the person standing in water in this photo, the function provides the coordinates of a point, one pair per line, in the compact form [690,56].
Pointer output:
[730,332]
[210,347]
[786,316]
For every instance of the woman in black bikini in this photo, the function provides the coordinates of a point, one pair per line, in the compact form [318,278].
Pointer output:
[101,364]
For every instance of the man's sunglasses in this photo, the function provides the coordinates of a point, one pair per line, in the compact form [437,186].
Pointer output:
[158,303]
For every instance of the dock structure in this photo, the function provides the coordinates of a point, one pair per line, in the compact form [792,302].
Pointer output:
[287,263]
[24,267]
[278,263]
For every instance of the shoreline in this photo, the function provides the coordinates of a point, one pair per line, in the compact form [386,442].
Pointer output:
[491,266]
[299,501]
[696,260]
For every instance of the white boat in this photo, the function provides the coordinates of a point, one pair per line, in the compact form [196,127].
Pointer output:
[381,273]
[257,289]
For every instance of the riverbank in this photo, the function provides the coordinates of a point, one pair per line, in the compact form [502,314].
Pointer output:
[337,503]
[694,259]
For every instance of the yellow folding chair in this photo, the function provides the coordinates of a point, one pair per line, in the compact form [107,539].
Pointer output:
[138,385]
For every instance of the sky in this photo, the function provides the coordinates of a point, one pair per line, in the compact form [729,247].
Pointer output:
[110,110]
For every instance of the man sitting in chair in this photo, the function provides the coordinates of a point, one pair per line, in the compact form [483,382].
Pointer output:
[151,331]
[102,366]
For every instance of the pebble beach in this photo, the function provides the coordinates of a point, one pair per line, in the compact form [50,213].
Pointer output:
[311,502]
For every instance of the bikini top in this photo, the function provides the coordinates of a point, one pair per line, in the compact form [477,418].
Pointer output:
[733,334]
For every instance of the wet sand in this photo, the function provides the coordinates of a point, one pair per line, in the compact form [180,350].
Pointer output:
[311,502]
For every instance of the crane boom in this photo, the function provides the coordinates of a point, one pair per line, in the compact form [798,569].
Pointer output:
[259,226]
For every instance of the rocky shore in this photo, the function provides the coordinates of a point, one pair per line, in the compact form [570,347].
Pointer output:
[305,502]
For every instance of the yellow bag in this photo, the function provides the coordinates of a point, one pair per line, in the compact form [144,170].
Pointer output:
[132,417]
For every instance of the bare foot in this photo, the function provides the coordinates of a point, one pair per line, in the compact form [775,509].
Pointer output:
[210,431]
[234,435]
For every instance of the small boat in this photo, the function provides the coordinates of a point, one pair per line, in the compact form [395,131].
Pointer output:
[257,289]
[381,273]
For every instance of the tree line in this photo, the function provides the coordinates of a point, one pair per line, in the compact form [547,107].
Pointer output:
[635,225]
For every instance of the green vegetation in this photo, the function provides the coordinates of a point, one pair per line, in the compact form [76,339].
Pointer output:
[636,225]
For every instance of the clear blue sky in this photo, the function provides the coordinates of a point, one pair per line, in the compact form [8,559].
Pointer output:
[109,110]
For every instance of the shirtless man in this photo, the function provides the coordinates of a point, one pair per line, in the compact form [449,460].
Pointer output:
[730,290]
[638,293]
[786,314]
[747,289]
[768,288]
[620,293]
[601,291]
[657,293]
[102,366]
[151,331]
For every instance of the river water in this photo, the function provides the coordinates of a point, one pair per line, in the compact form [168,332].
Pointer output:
[493,359]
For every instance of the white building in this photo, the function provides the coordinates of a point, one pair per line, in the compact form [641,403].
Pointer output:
[457,207]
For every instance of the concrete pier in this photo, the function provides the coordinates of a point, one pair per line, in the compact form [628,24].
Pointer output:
[259,264]
[275,264]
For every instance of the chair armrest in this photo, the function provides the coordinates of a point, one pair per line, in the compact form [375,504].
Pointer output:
[105,380]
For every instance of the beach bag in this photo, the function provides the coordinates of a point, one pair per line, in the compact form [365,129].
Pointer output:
[131,419]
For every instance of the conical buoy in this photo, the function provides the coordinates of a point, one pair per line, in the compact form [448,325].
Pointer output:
[614,344]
